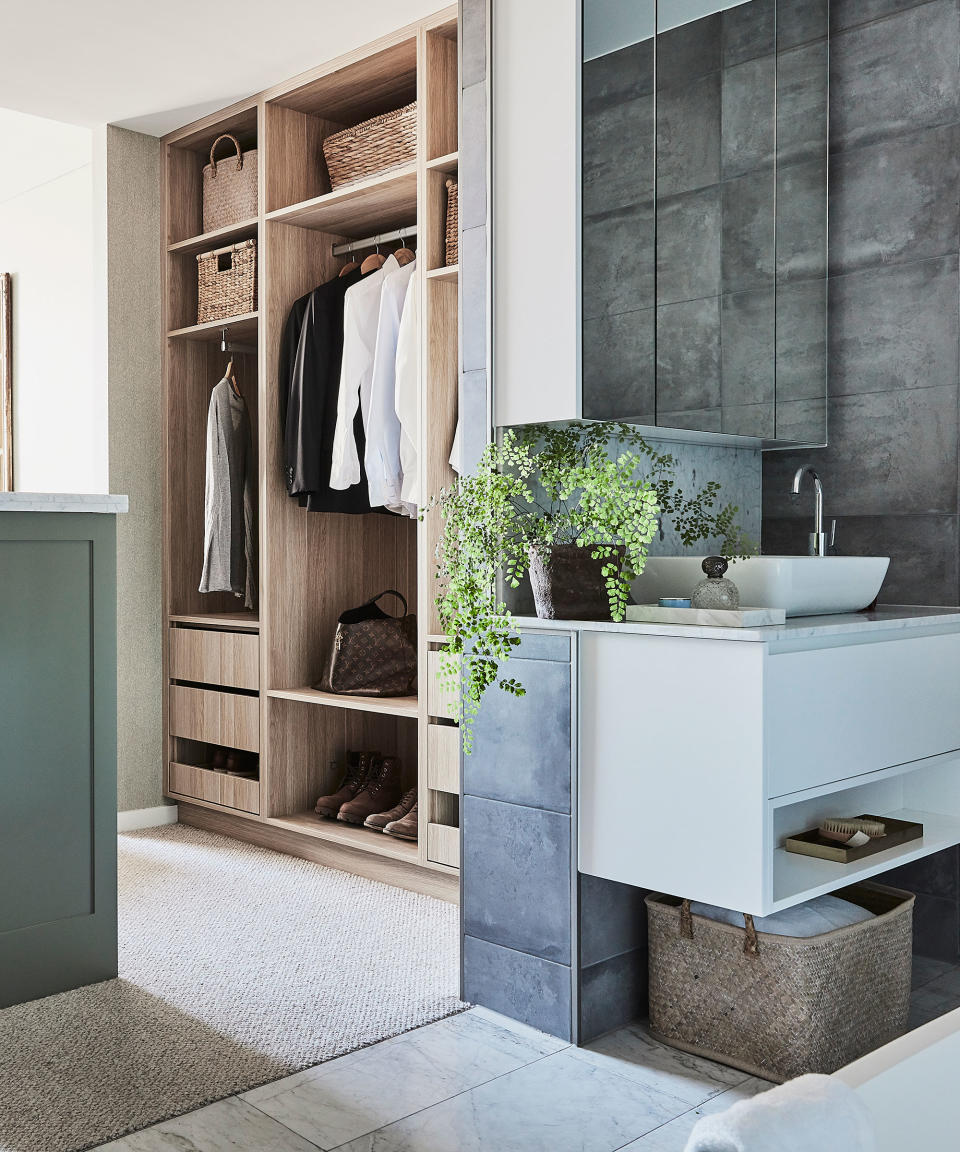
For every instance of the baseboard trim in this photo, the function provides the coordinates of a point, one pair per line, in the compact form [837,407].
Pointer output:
[147,818]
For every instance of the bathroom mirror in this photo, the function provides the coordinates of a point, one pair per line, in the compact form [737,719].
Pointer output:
[704,192]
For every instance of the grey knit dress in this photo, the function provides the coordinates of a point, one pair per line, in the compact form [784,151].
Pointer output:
[230,530]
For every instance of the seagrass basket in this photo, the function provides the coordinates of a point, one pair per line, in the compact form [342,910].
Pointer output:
[781,1006]
[227,281]
[229,187]
[373,147]
[453,218]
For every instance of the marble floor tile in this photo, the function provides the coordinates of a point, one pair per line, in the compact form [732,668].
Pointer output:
[673,1136]
[633,1053]
[227,1126]
[339,1101]
[558,1104]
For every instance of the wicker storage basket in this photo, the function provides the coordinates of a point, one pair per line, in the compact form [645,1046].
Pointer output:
[375,146]
[229,187]
[453,220]
[227,281]
[781,1006]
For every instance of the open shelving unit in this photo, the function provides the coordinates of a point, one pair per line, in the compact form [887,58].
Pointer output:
[312,566]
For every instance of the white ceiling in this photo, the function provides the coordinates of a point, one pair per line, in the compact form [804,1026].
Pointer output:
[152,65]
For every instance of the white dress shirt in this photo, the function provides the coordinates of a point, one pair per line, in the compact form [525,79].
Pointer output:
[407,397]
[380,421]
[361,317]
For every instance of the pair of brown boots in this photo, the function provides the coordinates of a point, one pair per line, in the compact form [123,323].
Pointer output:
[371,794]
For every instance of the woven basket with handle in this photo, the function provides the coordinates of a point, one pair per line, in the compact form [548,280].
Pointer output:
[453,219]
[781,1006]
[375,146]
[229,187]
[227,281]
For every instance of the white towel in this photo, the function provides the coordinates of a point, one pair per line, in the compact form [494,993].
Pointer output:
[809,1114]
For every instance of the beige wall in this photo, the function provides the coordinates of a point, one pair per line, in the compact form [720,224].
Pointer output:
[133,226]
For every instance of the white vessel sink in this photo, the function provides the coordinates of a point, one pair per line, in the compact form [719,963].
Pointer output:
[801,585]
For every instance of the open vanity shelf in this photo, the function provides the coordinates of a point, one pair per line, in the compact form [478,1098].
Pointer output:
[244,680]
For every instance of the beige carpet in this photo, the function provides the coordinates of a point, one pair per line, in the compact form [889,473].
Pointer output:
[237,966]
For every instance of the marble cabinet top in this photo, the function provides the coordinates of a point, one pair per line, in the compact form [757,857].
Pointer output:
[61,502]
[892,618]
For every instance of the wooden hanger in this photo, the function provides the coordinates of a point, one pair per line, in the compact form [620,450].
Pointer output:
[232,379]
[373,262]
[349,267]
[403,254]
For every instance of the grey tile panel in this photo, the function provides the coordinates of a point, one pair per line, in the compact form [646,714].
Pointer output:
[849,13]
[894,327]
[748,128]
[518,985]
[936,927]
[802,102]
[474,417]
[612,993]
[473,300]
[516,878]
[522,743]
[618,365]
[536,646]
[801,335]
[472,174]
[619,165]
[877,89]
[936,875]
[748,31]
[801,21]
[613,919]
[803,421]
[748,419]
[895,201]
[618,261]
[749,231]
[801,224]
[699,420]
[688,355]
[688,245]
[748,348]
[473,64]
[688,135]
[618,77]
[688,51]
[874,461]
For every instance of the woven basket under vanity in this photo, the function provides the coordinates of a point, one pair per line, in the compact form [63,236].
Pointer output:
[781,1006]
[227,281]
[453,219]
[373,147]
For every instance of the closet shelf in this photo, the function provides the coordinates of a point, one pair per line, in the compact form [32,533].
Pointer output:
[442,275]
[448,163]
[245,230]
[374,205]
[384,705]
[240,327]
[353,836]
[236,621]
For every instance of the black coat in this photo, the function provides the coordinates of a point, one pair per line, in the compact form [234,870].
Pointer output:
[311,352]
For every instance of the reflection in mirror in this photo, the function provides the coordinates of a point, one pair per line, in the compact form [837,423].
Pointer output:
[704,215]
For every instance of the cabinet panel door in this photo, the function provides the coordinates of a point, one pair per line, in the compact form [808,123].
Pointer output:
[195,714]
[239,660]
[236,792]
[443,844]
[195,655]
[443,772]
[240,721]
[199,783]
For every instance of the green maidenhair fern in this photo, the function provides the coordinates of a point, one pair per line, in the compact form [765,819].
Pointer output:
[599,486]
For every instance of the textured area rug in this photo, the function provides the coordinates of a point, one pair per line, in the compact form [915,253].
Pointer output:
[237,966]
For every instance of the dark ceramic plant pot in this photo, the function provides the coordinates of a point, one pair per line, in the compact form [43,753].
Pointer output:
[568,584]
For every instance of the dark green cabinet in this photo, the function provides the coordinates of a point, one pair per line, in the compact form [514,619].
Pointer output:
[58,752]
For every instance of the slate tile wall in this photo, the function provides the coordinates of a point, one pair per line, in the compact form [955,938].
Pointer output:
[890,471]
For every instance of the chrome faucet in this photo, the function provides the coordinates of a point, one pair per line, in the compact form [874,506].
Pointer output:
[818,538]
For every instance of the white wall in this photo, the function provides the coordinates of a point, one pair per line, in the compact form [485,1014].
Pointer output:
[47,243]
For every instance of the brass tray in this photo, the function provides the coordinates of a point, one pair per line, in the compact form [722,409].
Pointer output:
[812,844]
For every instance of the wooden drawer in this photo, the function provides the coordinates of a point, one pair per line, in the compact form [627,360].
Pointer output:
[443,844]
[443,761]
[215,787]
[440,700]
[206,656]
[215,717]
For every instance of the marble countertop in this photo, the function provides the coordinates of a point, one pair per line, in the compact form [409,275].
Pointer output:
[61,502]
[889,618]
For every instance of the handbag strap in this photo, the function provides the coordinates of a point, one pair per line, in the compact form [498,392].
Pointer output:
[391,592]
[751,943]
[213,148]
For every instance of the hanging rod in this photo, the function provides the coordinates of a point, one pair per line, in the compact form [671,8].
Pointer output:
[226,346]
[371,241]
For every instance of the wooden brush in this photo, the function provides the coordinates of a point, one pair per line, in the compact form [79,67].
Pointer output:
[842,830]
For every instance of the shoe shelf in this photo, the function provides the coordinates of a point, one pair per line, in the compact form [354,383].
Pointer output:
[384,705]
[241,328]
[447,274]
[351,835]
[448,163]
[235,621]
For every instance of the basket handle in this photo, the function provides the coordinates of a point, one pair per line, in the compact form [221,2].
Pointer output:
[751,943]
[213,148]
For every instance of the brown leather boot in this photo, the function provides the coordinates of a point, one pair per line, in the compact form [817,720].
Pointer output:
[379,820]
[382,791]
[406,828]
[359,765]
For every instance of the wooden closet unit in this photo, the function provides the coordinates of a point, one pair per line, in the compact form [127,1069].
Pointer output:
[225,668]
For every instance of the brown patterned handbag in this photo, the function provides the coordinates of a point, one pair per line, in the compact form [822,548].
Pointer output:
[374,654]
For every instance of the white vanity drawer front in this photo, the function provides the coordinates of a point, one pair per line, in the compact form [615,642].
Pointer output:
[833,713]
